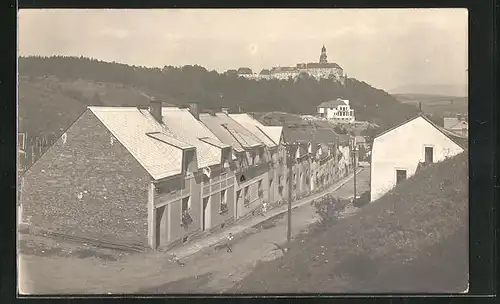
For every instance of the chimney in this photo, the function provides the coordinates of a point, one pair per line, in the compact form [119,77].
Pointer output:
[420,107]
[193,108]
[155,109]
[225,110]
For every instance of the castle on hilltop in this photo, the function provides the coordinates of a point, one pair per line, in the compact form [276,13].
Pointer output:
[318,70]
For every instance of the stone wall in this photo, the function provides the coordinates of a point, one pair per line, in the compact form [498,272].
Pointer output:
[87,184]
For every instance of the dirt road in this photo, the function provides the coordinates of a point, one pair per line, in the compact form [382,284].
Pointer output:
[153,272]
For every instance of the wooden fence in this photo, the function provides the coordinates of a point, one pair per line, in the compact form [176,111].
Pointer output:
[31,148]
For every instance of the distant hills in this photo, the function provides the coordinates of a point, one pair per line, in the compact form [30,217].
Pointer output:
[54,91]
[455,90]
[438,106]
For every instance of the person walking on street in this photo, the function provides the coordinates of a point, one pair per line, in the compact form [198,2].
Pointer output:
[228,244]
[176,259]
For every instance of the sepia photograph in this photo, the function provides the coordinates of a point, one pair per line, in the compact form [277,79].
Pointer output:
[242,151]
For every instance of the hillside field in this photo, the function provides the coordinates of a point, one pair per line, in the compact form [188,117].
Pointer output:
[435,104]
[414,239]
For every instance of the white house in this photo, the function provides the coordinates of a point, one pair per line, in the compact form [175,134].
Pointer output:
[338,110]
[398,152]
[459,125]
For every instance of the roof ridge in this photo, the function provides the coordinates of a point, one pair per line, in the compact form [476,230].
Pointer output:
[445,132]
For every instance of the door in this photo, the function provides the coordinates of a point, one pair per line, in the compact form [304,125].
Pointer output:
[161,234]
[206,213]
[429,155]
[238,204]
[400,176]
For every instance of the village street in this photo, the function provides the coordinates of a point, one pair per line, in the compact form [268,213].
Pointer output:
[210,271]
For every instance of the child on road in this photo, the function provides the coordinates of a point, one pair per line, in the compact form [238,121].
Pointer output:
[228,244]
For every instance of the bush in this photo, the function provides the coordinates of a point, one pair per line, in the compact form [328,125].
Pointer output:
[362,200]
[328,208]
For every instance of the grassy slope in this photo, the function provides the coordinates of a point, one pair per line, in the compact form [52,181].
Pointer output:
[414,239]
[38,100]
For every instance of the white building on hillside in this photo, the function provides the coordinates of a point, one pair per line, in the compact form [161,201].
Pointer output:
[398,152]
[338,110]
[459,125]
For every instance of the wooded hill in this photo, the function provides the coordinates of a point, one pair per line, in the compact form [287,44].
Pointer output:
[54,91]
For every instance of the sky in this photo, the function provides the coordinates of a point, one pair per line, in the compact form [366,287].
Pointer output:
[386,48]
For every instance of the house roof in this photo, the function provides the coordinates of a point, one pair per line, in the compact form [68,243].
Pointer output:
[344,139]
[360,139]
[316,65]
[156,149]
[244,71]
[461,141]
[265,72]
[332,103]
[453,123]
[284,69]
[184,126]
[274,132]
[256,128]
[229,131]
[310,134]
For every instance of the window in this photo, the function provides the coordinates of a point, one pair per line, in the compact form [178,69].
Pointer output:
[245,196]
[429,155]
[400,176]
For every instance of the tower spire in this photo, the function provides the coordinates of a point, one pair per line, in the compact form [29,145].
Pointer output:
[323,57]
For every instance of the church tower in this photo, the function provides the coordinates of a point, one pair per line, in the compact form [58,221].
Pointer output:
[322,58]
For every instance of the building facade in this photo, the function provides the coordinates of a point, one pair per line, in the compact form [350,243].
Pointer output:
[337,110]
[458,125]
[158,176]
[317,70]
[422,141]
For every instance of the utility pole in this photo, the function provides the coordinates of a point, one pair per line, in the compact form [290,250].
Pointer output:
[290,184]
[354,161]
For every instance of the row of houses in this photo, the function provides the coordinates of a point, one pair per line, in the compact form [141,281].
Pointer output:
[157,175]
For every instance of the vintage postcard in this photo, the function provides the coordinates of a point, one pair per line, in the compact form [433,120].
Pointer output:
[238,151]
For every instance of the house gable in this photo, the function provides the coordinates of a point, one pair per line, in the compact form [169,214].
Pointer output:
[405,147]
[87,171]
